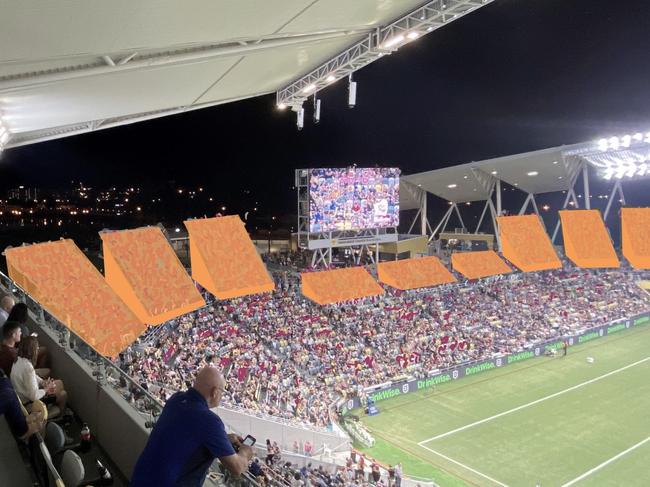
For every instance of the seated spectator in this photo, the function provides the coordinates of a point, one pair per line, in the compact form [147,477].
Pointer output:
[10,337]
[30,386]
[22,427]
[256,469]
[20,313]
[189,436]
[6,303]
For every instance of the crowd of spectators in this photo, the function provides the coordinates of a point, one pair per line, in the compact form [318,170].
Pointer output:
[290,358]
[357,471]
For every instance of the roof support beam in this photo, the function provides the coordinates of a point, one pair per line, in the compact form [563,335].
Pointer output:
[53,133]
[618,187]
[384,40]
[176,56]
[574,173]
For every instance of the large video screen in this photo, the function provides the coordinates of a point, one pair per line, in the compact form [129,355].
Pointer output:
[355,198]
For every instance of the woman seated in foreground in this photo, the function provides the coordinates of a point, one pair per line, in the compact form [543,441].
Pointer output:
[29,386]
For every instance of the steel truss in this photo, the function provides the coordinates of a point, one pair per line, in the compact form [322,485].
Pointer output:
[423,20]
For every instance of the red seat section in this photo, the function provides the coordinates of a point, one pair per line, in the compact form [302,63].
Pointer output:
[60,277]
[524,242]
[414,273]
[224,259]
[475,265]
[145,272]
[586,241]
[328,287]
[635,235]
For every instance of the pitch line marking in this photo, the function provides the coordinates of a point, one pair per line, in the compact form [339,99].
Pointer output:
[467,467]
[532,403]
[606,462]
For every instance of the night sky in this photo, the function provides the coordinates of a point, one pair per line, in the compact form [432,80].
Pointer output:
[515,76]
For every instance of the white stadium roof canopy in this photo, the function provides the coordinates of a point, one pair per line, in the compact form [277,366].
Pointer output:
[537,172]
[75,66]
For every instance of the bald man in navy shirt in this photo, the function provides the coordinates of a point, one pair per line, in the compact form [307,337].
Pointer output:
[188,437]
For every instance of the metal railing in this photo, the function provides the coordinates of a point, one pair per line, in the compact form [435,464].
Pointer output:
[104,370]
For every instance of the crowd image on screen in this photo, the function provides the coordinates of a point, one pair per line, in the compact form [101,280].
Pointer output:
[286,357]
[353,199]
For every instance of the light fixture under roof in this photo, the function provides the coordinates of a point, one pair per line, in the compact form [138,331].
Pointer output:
[554,162]
[331,78]
[282,106]
[494,173]
[413,35]
[393,41]
[309,88]
[532,173]
[451,186]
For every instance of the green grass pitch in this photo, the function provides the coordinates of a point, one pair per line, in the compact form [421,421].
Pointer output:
[557,421]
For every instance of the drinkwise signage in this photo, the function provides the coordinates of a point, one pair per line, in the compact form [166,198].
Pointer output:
[474,368]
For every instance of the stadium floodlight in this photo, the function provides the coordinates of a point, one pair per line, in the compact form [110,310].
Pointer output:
[309,88]
[393,41]
[282,106]
[622,142]
[413,35]
[451,186]
[532,173]
[331,78]
[626,140]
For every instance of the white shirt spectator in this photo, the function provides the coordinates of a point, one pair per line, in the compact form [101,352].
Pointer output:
[25,381]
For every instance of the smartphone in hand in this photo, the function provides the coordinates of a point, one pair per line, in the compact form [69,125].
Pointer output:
[249,440]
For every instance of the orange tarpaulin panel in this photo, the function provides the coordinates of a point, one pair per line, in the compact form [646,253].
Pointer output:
[414,273]
[145,272]
[525,243]
[328,287]
[635,236]
[475,265]
[586,241]
[64,281]
[224,259]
